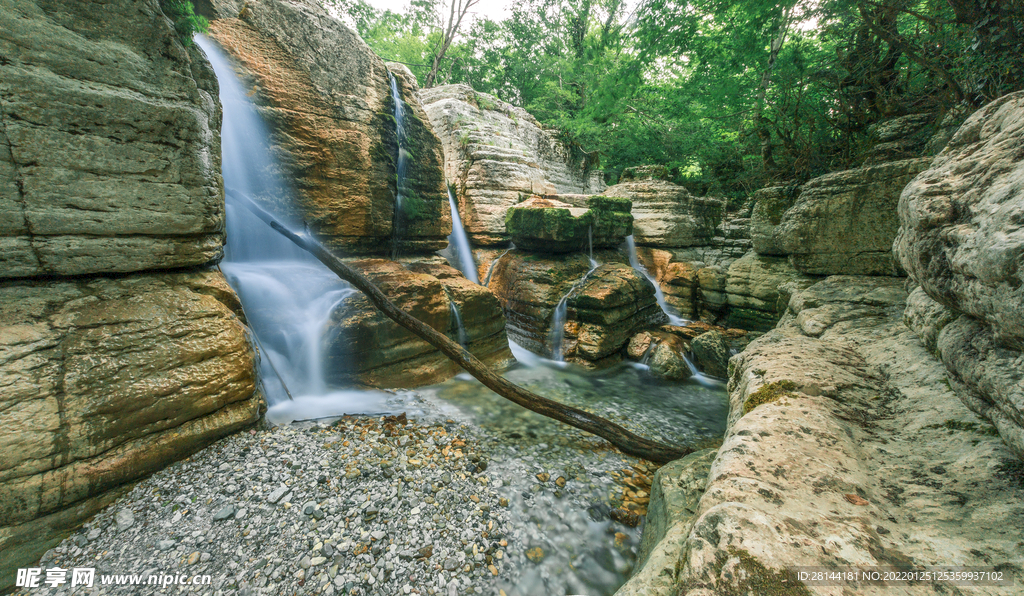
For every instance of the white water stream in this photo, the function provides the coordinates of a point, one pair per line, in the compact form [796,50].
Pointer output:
[460,240]
[673,316]
[287,294]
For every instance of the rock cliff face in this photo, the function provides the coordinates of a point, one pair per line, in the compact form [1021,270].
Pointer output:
[666,215]
[328,100]
[109,150]
[844,223]
[961,239]
[105,381]
[496,155]
[551,226]
[109,163]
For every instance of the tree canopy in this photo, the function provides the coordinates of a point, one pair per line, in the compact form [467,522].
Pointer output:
[730,95]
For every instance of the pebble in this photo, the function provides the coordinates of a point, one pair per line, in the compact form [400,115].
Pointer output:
[124,519]
[226,512]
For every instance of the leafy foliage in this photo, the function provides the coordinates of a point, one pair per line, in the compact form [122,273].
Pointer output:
[730,95]
[186,22]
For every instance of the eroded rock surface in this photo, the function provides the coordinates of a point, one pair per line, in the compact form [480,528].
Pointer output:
[961,239]
[328,100]
[666,215]
[844,223]
[109,152]
[604,310]
[104,381]
[845,446]
[545,224]
[496,154]
[374,350]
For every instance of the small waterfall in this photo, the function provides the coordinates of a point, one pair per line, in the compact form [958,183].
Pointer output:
[459,239]
[590,248]
[561,314]
[287,294]
[457,316]
[490,270]
[401,163]
[634,261]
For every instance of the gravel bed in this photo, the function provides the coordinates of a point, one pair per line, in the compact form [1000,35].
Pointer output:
[362,506]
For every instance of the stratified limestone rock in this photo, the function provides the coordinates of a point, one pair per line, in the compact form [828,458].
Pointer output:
[961,239]
[666,215]
[603,312]
[495,154]
[109,152]
[756,291]
[103,381]
[844,447]
[544,224]
[711,354]
[926,317]
[371,349]
[845,222]
[904,137]
[328,100]
[770,204]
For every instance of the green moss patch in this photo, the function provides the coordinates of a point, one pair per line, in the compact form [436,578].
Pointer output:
[971,427]
[768,393]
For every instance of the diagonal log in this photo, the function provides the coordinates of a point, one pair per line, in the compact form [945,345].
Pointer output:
[627,442]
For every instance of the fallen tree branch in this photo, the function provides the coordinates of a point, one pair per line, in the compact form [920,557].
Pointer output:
[626,441]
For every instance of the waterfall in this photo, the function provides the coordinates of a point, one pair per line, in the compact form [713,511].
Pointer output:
[460,327]
[490,270]
[590,248]
[561,314]
[402,161]
[673,318]
[459,239]
[287,294]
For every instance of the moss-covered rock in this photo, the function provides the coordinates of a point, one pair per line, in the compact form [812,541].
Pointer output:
[545,224]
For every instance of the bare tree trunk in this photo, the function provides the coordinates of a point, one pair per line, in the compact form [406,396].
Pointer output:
[760,126]
[456,12]
[626,441]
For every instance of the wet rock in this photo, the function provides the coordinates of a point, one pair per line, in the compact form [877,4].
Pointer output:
[226,512]
[337,146]
[668,360]
[711,354]
[546,225]
[666,215]
[625,517]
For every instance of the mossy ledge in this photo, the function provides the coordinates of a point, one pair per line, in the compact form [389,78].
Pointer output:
[768,393]
[755,578]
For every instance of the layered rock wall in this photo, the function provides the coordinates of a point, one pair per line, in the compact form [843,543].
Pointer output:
[496,155]
[961,239]
[109,164]
[328,100]
[109,144]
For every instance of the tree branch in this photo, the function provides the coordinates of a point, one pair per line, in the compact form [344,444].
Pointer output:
[618,436]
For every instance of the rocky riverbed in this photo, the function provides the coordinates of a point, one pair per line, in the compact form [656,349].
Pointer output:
[469,496]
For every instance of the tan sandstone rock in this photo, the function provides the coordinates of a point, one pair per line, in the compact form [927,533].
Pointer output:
[109,152]
[845,222]
[107,380]
[328,100]
[961,239]
[496,154]
[666,215]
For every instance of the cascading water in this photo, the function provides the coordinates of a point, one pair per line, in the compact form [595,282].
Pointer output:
[590,248]
[634,262]
[401,163]
[561,314]
[459,326]
[288,296]
[460,240]
[490,270]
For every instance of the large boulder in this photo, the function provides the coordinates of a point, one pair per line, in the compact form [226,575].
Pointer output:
[328,100]
[105,381]
[373,350]
[603,311]
[757,290]
[666,215]
[845,222]
[495,154]
[109,144]
[544,224]
[961,240]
